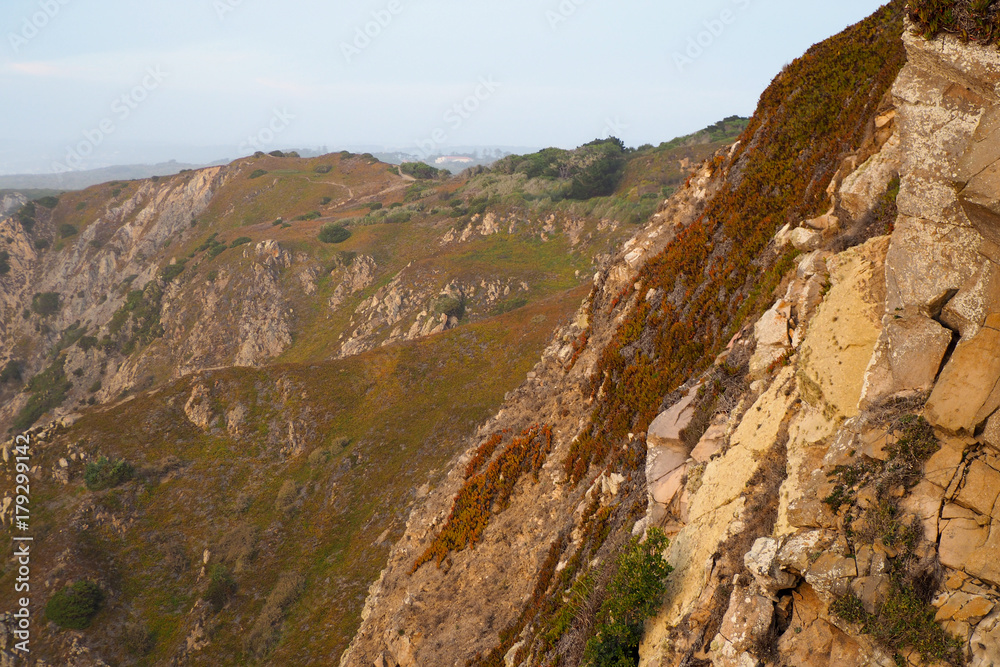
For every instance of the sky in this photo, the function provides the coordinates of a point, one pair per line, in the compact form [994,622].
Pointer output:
[90,83]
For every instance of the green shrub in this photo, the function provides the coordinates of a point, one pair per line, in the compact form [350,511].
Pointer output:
[331,233]
[48,202]
[374,206]
[171,271]
[11,372]
[287,495]
[66,231]
[138,639]
[42,244]
[323,169]
[257,173]
[634,594]
[221,587]
[75,606]
[311,215]
[325,200]
[4,262]
[107,474]
[449,305]
[276,154]
[420,170]
[87,343]
[601,177]
[243,240]
[48,390]
[45,303]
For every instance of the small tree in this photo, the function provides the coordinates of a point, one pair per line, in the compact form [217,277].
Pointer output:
[331,233]
[221,587]
[634,594]
[107,474]
[75,606]
[45,303]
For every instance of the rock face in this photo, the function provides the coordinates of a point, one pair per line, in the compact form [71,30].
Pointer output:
[903,318]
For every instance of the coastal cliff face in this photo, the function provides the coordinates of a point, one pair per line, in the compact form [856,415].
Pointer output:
[829,484]
[792,370]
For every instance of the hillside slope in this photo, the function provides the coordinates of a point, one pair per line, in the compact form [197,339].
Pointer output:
[232,417]
[490,575]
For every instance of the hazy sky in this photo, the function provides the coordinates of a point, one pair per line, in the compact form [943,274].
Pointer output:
[102,77]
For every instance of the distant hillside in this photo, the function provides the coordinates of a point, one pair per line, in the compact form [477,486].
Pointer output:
[78,180]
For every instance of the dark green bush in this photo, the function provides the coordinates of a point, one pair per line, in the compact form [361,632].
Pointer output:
[107,474]
[331,233]
[243,240]
[450,306]
[276,154]
[75,606]
[48,390]
[634,594]
[86,343]
[66,231]
[323,169]
[257,173]
[602,175]
[311,215]
[171,271]
[48,202]
[374,206]
[4,262]
[42,244]
[45,303]
[221,587]
[420,170]
[11,372]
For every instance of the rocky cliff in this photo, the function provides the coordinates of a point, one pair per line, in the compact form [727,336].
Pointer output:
[828,481]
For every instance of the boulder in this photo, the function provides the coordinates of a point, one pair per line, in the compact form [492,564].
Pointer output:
[980,295]
[747,620]
[838,345]
[805,239]
[991,434]
[762,562]
[831,575]
[864,187]
[961,537]
[985,642]
[773,338]
[928,262]
[967,392]
[872,591]
[917,346]
[667,430]
[980,489]
[710,444]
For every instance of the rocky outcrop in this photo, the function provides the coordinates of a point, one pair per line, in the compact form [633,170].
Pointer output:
[410,617]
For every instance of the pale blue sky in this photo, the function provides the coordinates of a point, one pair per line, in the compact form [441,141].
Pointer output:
[566,71]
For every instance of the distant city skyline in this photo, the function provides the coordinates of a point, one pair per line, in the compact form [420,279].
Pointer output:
[199,80]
